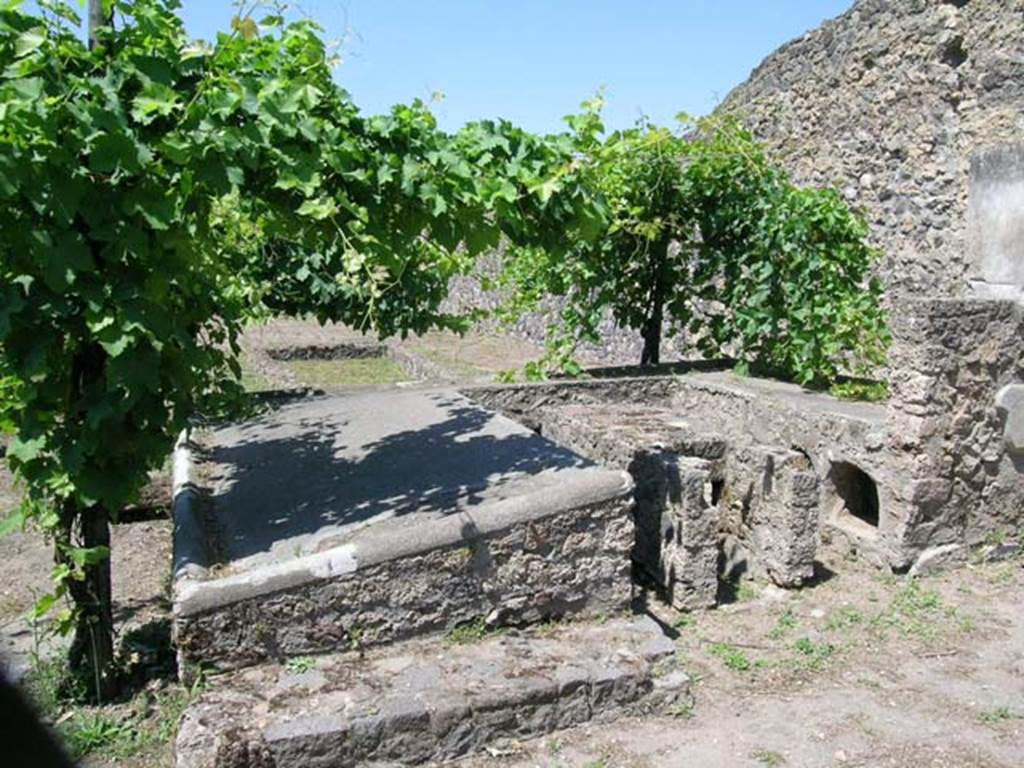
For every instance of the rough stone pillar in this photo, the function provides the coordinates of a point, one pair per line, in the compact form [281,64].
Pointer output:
[950,361]
[781,509]
[677,527]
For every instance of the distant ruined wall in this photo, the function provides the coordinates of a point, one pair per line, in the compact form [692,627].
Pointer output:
[888,103]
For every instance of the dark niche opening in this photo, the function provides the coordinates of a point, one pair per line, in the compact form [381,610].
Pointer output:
[856,497]
[717,489]
[954,54]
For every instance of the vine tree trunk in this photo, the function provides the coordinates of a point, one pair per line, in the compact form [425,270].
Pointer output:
[91,657]
[98,18]
[652,327]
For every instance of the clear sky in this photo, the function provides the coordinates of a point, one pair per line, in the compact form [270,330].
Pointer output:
[533,61]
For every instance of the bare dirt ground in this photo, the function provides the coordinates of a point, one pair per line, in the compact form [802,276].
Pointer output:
[473,357]
[863,670]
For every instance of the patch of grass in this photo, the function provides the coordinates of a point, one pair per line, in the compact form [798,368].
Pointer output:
[731,657]
[470,632]
[683,621]
[812,655]
[299,665]
[917,612]
[140,727]
[996,716]
[445,356]
[843,618]
[913,599]
[784,625]
[46,684]
[1004,575]
[735,590]
[253,380]
[345,374]
[144,726]
[768,758]
[89,732]
[745,592]
[683,710]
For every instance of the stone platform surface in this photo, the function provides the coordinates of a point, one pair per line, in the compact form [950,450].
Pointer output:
[381,515]
[431,701]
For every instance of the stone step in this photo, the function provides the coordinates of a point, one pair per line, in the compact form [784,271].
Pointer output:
[422,700]
[370,518]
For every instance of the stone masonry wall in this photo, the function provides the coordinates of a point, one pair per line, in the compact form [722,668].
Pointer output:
[888,103]
[581,557]
[950,360]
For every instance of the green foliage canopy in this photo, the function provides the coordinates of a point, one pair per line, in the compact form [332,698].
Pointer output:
[703,235]
[156,191]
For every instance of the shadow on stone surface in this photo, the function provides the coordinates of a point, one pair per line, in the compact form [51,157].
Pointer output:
[338,464]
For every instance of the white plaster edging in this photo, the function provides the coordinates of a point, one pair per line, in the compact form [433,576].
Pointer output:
[191,546]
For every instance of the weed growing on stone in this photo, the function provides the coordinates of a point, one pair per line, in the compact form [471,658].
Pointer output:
[996,716]
[784,625]
[469,632]
[768,758]
[300,664]
[812,655]
[731,657]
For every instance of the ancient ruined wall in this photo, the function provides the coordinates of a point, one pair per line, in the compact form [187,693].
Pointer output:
[511,577]
[951,360]
[617,345]
[888,102]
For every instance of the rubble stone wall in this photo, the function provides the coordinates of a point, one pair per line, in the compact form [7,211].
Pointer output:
[951,359]
[888,103]
[572,563]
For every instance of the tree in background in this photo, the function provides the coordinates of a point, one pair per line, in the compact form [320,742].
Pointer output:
[703,235]
[157,191]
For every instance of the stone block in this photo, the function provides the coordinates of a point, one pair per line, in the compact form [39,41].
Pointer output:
[677,527]
[410,705]
[784,514]
[938,559]
[370,518]
[996,222]
[1010,404]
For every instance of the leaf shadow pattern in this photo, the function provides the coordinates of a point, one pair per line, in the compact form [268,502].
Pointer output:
[303,478]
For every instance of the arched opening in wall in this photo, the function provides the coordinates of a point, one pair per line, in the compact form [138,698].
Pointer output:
[854,498]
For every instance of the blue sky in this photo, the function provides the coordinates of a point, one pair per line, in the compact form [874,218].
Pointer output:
[533,61]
